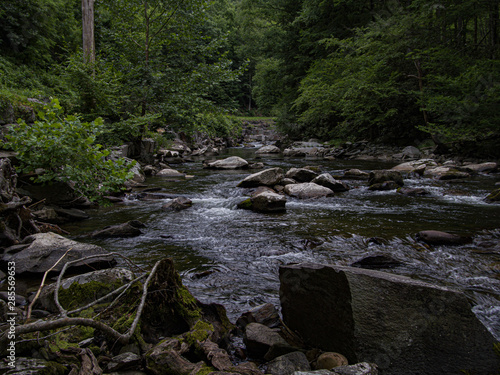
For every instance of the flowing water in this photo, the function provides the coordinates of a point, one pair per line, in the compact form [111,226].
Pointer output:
[231,256]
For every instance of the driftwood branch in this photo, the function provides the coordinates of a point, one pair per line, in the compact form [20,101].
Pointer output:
[28,314]
[64,321]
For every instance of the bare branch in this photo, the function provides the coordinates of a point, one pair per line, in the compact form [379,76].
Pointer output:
[28,314]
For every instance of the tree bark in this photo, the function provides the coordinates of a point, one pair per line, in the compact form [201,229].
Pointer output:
[88,31]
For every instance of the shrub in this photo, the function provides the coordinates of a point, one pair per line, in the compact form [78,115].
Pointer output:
[65,149]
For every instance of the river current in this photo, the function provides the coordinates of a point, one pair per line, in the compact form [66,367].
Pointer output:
[231,256]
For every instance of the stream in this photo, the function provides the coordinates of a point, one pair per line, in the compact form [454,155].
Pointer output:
[231,256]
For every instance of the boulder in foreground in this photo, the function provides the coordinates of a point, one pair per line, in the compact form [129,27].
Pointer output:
[403,325]
[42,250]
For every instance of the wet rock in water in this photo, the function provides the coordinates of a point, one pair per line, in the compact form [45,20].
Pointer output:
[259,339]
[265,314]
[84,288]
[267,177]
[413,192]
[356,174]
[169,172]
[403,325]
[295,152]
[269,202]
[327,180]
[381,176]
[287,364]
[494,196]
[270,149]
[329,360]
[445,173]
[434,237]
[301,174]
[308,190]
[129,229]
[42,250]
[481,168]
[233,162]
[178,204]
[384,186]
[417,166]
[377,262]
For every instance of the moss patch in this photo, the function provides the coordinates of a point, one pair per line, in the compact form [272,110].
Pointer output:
[80,294]
[200,332]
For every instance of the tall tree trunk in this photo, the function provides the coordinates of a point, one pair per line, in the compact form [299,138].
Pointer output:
[88,31]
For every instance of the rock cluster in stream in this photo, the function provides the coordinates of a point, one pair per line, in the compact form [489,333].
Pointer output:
[334,320]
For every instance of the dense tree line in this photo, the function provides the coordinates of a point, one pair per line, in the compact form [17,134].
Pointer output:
[339,69]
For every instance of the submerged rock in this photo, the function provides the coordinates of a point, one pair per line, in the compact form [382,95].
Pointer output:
[434,237]
[405,326]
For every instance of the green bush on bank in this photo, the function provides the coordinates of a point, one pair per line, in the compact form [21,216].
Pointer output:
[64,149]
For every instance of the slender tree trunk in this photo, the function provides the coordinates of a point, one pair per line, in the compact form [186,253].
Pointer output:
[494,21]
[88,31]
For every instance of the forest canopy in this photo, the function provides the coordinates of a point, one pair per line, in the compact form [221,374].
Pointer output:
[386,70]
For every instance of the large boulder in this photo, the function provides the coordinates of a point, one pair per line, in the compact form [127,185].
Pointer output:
[308,190]
[301,174]
[403,325]
[327,180]
[233,162]
[267,177]
[39,252]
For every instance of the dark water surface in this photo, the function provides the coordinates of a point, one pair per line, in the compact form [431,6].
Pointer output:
[231,256]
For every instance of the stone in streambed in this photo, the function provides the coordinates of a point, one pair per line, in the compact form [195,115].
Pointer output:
[434,237]
[308,190]
[327,180]
[233,162]
[267,177]
[178,204]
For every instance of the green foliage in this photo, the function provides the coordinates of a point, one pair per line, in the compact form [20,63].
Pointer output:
[65,149]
